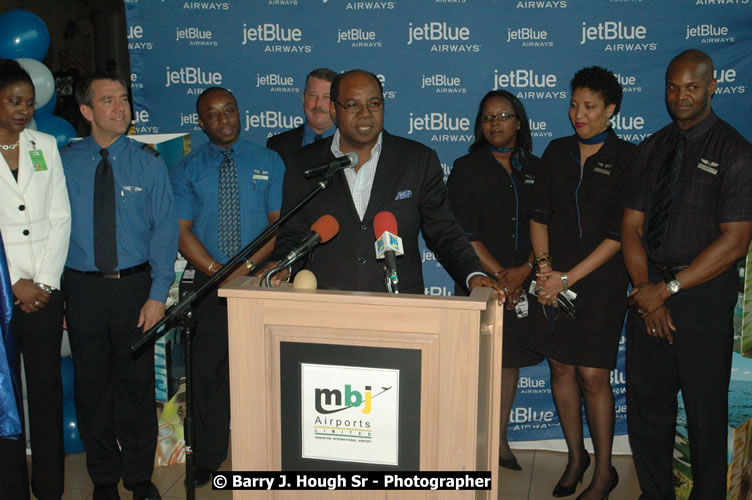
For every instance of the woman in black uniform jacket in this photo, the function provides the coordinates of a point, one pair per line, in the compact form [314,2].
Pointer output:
[489,191]
[575,231]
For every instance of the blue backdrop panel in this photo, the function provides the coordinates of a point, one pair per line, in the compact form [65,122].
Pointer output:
[436,59]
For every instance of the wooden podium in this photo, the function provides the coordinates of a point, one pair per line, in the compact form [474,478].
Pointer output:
[458,340]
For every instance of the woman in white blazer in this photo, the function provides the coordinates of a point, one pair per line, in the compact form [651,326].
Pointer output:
[35,226]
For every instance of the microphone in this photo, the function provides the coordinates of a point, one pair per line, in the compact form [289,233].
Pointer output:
[349,160]
[323,230]
[388,247]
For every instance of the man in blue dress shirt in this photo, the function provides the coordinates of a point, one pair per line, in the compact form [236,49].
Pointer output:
[318,122]
[115,284]
[226,192]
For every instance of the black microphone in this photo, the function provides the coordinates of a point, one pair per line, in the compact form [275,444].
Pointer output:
[349,160]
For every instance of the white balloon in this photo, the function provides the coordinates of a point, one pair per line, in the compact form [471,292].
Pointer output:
[41,77]
[32,125]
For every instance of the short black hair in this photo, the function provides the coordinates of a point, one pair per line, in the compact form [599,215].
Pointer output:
[211,90]
[523,141]
[599,80]
[334,92]
[84,94]
[11,72]
[322,74]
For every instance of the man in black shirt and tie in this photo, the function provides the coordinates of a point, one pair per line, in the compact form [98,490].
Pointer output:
[687,221]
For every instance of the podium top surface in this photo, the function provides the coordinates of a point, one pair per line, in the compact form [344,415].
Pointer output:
[248,287]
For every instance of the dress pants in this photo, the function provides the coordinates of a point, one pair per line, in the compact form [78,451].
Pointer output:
[115,401]
[211,378]
[14,482]
[698,363]
[38,336]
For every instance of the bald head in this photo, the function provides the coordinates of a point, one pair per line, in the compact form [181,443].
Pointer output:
[697,58]
[690,87]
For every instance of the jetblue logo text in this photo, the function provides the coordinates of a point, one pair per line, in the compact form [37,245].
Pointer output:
[442,32]
[613,31]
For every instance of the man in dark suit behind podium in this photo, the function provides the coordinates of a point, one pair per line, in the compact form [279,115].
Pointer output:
[318,124]
[394,174]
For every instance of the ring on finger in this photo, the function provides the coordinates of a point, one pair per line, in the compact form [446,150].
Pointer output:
[37,303]
[653,330]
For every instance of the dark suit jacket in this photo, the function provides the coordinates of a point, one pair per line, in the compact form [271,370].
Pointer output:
[409,183]
[286,143]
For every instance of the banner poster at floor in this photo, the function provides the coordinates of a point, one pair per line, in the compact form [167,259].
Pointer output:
[436,59]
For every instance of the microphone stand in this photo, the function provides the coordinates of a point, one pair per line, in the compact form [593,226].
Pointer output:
[182,314]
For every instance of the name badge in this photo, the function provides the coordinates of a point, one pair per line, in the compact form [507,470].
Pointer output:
[37,159]
[603,168]
[260,175]
[708,166]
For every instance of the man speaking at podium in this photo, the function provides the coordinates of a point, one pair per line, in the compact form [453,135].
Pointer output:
[393,174]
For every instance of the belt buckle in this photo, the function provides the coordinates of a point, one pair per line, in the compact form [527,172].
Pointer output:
[112,275]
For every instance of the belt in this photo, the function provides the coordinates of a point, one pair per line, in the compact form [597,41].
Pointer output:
[671,269]
[669,272]
[120,273]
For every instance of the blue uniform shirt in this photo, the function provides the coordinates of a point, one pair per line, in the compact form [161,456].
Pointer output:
[195,182]
[309,135]
[147,228]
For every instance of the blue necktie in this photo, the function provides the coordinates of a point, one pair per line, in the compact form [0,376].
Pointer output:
[229,206]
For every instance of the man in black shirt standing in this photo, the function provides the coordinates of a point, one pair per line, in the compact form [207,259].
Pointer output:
[687,221]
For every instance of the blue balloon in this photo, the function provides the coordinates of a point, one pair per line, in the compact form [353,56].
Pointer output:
[71,437]
[66,371]
[23,34]
[56,126]
[48,108]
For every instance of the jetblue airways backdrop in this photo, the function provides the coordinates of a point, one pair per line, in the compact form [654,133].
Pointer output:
[436,59]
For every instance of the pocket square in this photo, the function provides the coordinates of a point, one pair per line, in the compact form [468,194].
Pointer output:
[403,195]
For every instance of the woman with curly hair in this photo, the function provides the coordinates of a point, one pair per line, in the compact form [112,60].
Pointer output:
[575,232]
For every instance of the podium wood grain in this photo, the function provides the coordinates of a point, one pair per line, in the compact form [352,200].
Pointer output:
[460,343]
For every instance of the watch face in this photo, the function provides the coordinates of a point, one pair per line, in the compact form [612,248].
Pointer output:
[674,286]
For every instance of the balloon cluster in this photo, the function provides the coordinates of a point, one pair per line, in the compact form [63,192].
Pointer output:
[25,38]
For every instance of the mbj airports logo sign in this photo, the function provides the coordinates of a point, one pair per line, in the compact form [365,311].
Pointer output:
[349,413]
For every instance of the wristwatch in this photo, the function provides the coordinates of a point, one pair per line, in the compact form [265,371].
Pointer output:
[673,286]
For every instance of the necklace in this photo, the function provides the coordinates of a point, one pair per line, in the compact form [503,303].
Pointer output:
[6,147]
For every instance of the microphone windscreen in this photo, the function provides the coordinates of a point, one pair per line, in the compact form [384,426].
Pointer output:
[304,280]
[326,226]
[384,221]
[354,159]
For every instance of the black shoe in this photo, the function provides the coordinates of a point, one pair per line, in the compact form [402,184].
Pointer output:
[510,463]
[146,491]
[611,487]
[564,491]
[201,476]
[106,492]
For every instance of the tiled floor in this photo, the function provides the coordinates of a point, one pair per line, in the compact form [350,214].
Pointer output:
[541,470]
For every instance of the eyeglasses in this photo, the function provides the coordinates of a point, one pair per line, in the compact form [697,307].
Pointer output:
[501,117]
[355,107]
